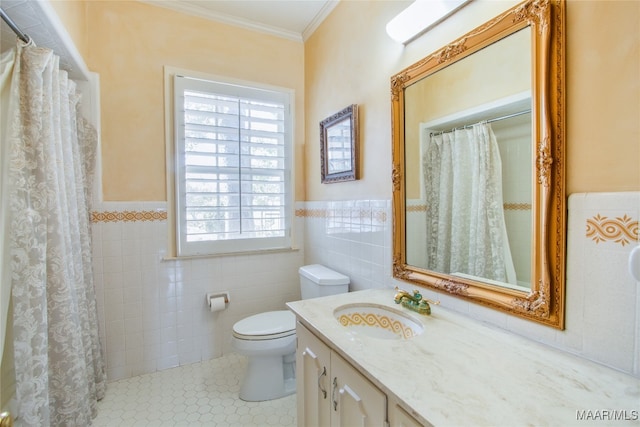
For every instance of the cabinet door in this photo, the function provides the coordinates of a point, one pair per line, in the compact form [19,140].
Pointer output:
[312,379]
[398,417]
[355,401]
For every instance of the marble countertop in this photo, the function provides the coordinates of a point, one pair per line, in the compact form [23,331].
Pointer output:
[460,372]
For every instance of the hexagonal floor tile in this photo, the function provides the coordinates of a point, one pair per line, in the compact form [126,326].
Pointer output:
[199,394]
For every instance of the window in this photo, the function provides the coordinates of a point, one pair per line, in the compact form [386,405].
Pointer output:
[233,167]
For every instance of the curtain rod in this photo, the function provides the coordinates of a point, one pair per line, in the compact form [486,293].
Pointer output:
[22,36]
[495,119]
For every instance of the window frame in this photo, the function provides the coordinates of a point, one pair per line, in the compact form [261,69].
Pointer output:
[176,81]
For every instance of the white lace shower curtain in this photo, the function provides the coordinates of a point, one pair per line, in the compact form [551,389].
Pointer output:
[466,232]
[50,152]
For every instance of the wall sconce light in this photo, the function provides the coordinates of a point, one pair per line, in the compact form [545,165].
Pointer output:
[421,16]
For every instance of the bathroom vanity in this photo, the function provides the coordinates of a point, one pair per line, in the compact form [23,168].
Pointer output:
[394,365]
[333,393]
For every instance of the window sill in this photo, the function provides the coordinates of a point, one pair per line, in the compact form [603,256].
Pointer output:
[230,254]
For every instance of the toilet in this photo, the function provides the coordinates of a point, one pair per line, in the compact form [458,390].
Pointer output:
[269,339]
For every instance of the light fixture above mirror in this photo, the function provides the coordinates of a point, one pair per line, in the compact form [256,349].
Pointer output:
[420,16]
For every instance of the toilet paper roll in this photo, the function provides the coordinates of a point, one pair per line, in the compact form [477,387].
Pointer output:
[216,304]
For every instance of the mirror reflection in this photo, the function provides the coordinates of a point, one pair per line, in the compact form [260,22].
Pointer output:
[339,146]
[478,165]
[468,170]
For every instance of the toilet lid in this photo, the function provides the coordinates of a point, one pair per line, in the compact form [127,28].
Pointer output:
[269,325]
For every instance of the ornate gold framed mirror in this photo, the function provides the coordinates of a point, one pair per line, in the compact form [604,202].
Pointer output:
[478,165]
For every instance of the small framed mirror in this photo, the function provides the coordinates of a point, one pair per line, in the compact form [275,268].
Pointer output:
[339,146]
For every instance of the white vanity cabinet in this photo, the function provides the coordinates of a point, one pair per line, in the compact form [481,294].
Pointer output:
[331,392]
[313,362]
[429,379]
[398,417]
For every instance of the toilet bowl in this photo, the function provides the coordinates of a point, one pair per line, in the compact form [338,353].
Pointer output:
[269,339]
[266,339]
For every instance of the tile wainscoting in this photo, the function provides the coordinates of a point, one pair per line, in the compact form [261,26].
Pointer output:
[153,313]
[603,300]
[352,237]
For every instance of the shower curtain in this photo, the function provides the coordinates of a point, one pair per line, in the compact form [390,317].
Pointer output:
[50,154]
[466,231]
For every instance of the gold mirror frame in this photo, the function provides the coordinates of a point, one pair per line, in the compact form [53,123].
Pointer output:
[545,302]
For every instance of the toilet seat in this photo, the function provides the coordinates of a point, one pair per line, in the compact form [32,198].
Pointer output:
[266,326]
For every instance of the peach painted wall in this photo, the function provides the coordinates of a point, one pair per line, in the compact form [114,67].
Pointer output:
[603,96]
[130,43]
[459,87]
[349,59]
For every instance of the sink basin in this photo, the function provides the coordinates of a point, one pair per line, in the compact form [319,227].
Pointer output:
[377,321]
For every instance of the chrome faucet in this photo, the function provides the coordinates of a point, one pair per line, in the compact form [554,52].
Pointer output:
[413,302]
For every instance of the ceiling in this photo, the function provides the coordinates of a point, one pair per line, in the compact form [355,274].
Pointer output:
[35,19]
[292,19]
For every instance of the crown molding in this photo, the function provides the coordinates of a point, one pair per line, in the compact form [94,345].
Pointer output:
[319,18]
[194,10]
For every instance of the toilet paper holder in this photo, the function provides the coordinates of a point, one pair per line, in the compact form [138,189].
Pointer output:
[224,295]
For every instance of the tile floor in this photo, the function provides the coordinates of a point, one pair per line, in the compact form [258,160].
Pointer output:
[199,394]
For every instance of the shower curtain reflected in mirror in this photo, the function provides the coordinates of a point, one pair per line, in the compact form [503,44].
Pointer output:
[466,232]
[50,160]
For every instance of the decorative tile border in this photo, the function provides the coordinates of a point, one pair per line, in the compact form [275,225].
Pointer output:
[378,215]
[517,206]
[621,230]
[506,206]
[416,208]
[128,216]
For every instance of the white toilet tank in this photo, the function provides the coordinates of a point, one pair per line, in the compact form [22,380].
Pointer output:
[318,281]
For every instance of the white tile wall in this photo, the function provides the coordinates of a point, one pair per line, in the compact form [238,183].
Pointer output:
[416,221]
[153,314]
[352,237]
[514,141]
[603,301]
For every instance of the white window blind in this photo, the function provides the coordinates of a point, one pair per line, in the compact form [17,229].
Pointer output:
[232,167]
